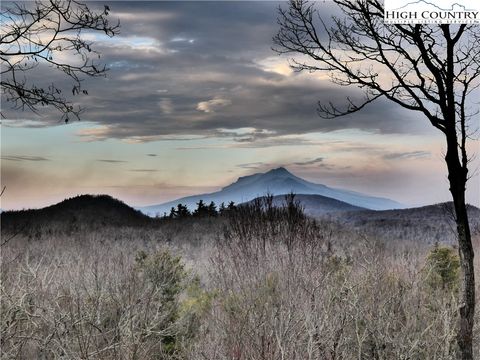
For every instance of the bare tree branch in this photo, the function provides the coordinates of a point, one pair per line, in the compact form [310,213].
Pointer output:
[36,34]
[429,69]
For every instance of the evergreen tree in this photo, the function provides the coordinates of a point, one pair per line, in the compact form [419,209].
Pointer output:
[231,205]
[182,211]
[212,209]
[222,209]
[202,209]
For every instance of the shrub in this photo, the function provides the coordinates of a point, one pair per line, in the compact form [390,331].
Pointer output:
[443,268]
[165,272]
[179,296]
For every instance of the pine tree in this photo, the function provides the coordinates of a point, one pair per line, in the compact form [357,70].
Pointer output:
[222,209]
[212,209]
[231,205]
[182,211]
[202,209]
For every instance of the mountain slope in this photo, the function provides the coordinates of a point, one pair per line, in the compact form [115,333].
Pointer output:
[317,205]
[276,182]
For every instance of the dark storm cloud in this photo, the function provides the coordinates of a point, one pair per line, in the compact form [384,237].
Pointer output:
[24,158]
[182,69]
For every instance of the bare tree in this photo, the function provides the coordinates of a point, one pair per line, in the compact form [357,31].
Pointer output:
[49,33]
[430,69]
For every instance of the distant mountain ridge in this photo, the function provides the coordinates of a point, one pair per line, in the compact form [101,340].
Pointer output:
[431,223]
[277,181]
[92,214]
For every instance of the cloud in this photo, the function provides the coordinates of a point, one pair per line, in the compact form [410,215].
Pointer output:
[407,155]
[218,81]
[213,105]
[111,161]
[310,162]
[166,105]
[272,141]
[24,158]
[253,165]
[180,39]
[144,170]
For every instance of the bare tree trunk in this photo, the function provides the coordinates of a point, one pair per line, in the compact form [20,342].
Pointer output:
[457,176]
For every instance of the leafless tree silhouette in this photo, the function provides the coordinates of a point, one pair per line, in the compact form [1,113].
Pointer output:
[429,69]
[49,33]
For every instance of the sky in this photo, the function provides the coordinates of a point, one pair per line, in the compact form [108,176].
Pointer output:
[195,97]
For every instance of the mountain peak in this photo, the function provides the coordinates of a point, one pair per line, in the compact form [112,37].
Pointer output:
[277,181]
[279,171]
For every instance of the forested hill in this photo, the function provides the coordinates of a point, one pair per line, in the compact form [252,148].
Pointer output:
[84,211]
[432,223]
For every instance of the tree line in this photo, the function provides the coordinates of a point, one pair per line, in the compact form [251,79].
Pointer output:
[202,210]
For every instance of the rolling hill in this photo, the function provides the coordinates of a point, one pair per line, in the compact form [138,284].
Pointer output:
[83,211]
[426,224]
[432,223]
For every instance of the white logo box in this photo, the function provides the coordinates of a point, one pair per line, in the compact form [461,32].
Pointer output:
[432,12]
